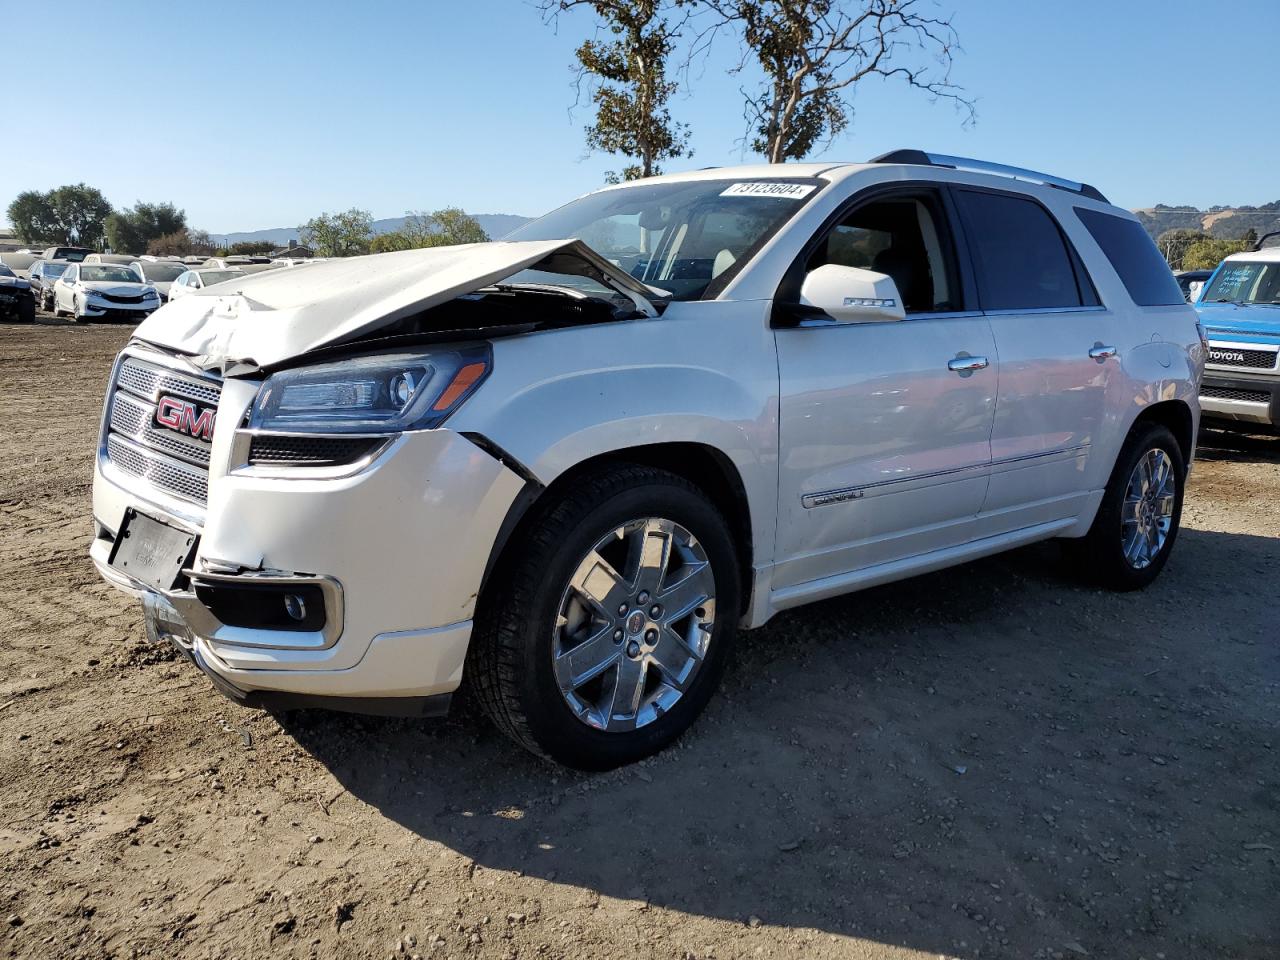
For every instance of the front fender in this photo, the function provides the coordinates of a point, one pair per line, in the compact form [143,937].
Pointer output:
[704,373]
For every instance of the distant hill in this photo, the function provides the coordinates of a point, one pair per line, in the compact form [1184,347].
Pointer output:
[1224,223]
[496,225]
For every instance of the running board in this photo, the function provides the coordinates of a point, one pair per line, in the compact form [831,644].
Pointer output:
[873,576]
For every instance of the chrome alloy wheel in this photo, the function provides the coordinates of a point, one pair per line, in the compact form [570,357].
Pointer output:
[634,625]
[1147,513]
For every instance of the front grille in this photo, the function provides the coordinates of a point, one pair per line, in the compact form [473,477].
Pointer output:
[1227,393]
[172,462]
[311,451]
[1238,357]
[121,298]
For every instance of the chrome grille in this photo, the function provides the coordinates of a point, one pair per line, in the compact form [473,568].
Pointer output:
[172,462]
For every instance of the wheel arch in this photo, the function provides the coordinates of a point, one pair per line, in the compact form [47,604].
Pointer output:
[706,467]
[1176,415]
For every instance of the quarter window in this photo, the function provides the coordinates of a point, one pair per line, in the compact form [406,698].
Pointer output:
[1135,258]
[1019,255]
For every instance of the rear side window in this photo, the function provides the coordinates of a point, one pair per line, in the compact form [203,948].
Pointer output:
[1142,270]
[1019,254]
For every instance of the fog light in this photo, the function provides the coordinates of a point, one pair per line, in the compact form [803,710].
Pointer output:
[295,606]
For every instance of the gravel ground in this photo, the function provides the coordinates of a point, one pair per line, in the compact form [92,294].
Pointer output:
[992,761]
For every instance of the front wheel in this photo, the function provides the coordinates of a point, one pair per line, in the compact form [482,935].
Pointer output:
[1138,520]
[607,628]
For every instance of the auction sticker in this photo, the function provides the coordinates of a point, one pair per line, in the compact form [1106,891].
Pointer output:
[783,191]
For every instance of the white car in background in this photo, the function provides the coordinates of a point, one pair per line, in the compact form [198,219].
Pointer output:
[189,281]
[159,273]
[103,291]
[570,469]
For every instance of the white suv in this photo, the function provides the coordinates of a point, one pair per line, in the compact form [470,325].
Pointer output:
[567,470]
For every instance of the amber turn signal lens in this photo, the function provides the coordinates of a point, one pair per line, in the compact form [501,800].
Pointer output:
[463,380]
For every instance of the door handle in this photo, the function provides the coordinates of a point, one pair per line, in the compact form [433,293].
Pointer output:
[965,364]
[1102,354]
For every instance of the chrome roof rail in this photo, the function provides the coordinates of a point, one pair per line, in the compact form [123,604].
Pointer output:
[921,158]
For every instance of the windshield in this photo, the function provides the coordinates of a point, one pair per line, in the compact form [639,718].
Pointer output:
[1239,281]
[217,276]
[679,236]
[53,269]
[162,272]
[5,271]
[108,273]
[70,253]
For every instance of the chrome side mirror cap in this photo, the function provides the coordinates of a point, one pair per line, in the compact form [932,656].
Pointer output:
[852,295]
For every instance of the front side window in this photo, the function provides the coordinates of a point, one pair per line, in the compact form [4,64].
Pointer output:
[1019,254]
[681,236]
[1239,281]
[899,237]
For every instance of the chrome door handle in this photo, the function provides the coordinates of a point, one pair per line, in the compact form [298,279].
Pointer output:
[1101,353]
[965,364]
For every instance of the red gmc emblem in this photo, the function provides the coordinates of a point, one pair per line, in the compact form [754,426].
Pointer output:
[185,417]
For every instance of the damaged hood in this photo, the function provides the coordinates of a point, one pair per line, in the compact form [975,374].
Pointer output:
[260,320]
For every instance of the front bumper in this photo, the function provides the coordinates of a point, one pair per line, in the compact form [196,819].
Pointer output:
[126,313]
[1241,399]
[405,541]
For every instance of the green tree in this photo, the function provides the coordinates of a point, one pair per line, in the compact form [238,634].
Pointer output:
[82,211]
[441,228]
[34,220]
[251,248]
[75,213]
[1174,244]
[1207,253]
[181,243]
[628,80]
[346,234]
[813,53]
[130,230]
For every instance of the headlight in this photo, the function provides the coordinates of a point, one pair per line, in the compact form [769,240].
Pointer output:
[383,394]
[150,293]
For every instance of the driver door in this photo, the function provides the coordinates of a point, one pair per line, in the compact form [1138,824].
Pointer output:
[884,427]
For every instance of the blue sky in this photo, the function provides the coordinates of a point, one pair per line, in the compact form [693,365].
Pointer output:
[262,115]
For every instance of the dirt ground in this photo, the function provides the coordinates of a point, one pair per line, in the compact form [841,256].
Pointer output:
[992,761]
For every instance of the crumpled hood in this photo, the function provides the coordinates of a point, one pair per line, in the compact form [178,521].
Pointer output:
[260,320]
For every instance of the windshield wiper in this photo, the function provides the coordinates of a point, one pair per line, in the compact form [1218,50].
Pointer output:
[1238,303]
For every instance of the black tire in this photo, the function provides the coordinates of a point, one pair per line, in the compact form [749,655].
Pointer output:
[509,665]
[1100,556]
[27,310]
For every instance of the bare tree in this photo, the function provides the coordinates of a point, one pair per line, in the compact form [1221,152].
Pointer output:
[814,52]
[628,79]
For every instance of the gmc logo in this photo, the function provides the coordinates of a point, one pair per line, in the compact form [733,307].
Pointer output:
[1226,356]
[185,417]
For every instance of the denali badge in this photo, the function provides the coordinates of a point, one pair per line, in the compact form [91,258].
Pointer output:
[1226,356]
[185,417]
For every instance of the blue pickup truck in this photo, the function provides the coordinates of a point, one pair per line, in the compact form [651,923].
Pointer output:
[1239,308]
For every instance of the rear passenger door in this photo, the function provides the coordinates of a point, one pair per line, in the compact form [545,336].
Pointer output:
[1057,349]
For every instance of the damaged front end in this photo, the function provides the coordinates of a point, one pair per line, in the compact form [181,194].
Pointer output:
[491,289]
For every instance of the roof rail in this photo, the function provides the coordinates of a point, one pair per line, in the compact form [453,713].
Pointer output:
[921,158]
[1264,238]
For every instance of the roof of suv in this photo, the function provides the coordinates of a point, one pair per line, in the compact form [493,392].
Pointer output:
[1265,255]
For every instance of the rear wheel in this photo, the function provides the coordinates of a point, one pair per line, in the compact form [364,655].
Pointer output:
[1138,520]
[608,628]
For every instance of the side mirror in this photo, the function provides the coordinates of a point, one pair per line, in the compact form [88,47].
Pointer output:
[852,295]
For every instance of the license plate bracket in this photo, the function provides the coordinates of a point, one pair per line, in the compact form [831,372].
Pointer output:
[151,551]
